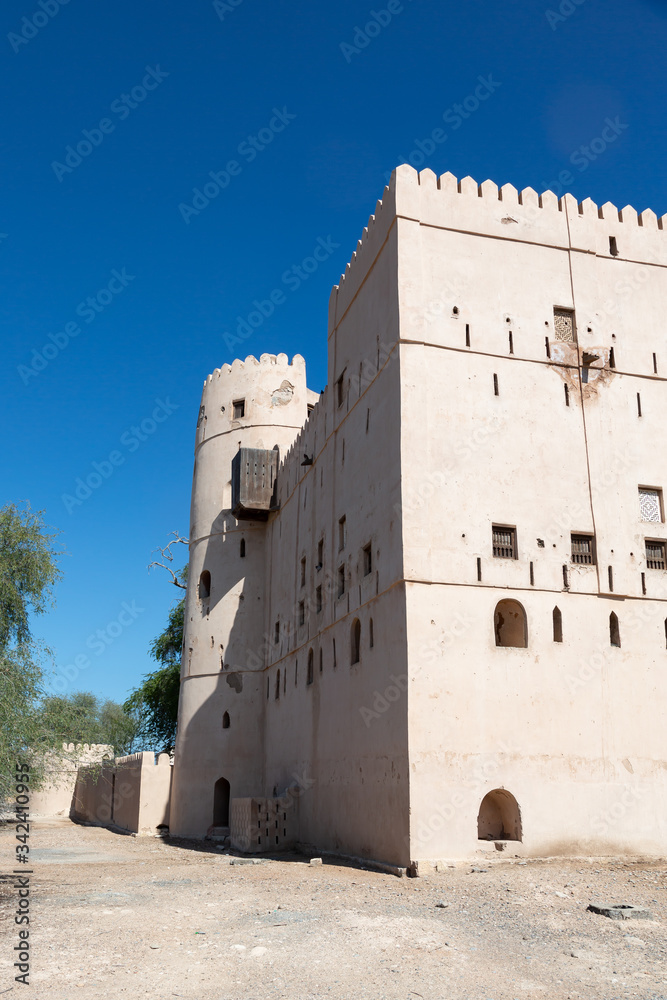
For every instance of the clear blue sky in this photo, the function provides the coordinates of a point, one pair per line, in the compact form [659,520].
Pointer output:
[332,112]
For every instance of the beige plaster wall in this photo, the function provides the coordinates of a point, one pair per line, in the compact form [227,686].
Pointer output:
[131,792]
[56,797]
[575,730]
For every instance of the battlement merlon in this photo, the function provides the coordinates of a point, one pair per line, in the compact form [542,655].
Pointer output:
[504,213]
[251,366]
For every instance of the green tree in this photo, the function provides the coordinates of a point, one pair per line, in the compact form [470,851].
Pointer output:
[28,574]
[155,702]
[82,717]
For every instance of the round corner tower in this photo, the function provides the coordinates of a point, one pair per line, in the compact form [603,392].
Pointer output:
[251,408]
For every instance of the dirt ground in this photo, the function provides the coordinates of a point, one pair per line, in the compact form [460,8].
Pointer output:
[115,916]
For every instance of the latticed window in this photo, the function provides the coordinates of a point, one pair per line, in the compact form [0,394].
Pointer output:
[650,504]
[655,555]
[504,543]
[564,328]
[582,550]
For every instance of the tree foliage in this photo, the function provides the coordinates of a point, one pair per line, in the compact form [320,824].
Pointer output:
[156,700]
[28,574]
[82,717]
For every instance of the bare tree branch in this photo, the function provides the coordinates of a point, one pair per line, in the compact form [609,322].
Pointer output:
[169,556]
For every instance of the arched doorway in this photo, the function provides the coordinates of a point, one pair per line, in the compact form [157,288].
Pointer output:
[499,817]
[221,803]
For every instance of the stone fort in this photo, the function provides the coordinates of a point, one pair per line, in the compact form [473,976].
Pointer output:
[427,608]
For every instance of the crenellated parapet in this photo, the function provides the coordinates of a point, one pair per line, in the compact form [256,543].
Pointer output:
[268,391]
[485,209]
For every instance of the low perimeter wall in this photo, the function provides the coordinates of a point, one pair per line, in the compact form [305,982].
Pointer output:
[55,797]
[132,793]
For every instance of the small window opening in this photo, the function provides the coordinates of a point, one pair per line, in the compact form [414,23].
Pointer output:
[610,574]
[557,624]
[613,248]
[321,661]
[342,533]
[639,405]
[655,555]
[583,549]
[511,342]
[368,560]
[371,640]
[564,325]
[612,358]
[495,385]
[320,554]
[479,570]
[296,672]
[267,688]
[467,335]
[284,681]
[547,346]
[276,633]
[225,721]
[310,676]
[303,572]
[666,633]
[277,692]
[567,395]
[655,364]
[340,389]
[532,575]
[566,582]
[504,542]
[341,580]
[204,585]
[335,663]
[355,641]
[368,420]
[302,612]
[614,631]
[239,408]
[650,504]
[242,548]
[510,626]
[455,310]
[644,584]
[318,599]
